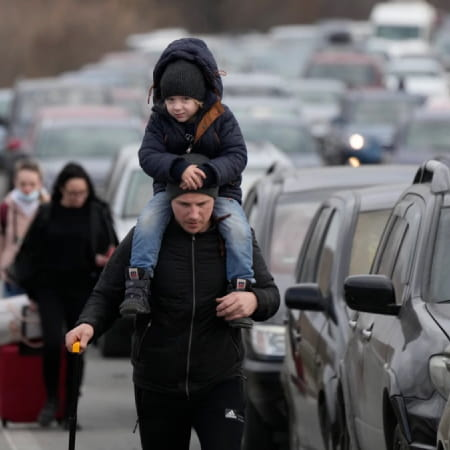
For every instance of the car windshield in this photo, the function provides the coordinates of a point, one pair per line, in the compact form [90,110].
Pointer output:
[29,101]
[289,138]
[352,74]
[319,97]
[368,232]
[138,192]
[380,111]
[85,141]
[396,32]
[433,135]
[439,280]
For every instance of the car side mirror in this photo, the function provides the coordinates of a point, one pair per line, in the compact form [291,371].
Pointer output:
[309,297]
[305,296]
[371,293]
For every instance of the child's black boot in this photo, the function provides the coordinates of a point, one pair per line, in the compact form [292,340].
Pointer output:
[137,291]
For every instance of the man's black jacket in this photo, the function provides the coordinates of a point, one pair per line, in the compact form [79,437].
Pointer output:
[183,348]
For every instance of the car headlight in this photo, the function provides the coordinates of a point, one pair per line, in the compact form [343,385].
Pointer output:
[356,141]
[268,340]
[439,367]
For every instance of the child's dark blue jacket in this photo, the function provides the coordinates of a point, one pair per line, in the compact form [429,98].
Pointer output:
[217,134]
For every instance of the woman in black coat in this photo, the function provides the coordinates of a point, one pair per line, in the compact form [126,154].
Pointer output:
[58,264]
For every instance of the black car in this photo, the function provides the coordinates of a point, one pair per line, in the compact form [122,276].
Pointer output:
[363,132]
[341,240]
[280,207]
[397,357]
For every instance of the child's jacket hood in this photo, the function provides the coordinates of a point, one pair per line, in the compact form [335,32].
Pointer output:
[194,50]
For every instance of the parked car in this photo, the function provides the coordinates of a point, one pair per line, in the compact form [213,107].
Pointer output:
[424,136]
[396,362]
[262,158]
[366,125]
[280,207]
[130,188]
[90,135]
[341,240]
[423,75]
[29,95]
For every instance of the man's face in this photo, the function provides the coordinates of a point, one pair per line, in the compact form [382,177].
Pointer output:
[193,211]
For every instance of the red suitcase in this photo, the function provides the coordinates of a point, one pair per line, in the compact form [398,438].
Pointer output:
[22,392]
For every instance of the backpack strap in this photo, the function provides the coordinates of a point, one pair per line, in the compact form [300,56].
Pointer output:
[214,113]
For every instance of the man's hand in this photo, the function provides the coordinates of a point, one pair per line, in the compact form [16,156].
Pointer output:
[192,178]
[82,333]
[236,305]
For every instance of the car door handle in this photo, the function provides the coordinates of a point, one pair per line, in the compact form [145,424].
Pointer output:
[296,335]
[367,333]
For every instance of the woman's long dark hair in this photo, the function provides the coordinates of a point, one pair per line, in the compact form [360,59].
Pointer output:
[69,171]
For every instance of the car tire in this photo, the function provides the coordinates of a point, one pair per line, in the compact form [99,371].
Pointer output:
[399,441]
[257,435]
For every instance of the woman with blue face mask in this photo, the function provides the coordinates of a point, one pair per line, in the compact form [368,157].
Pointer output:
[17,211]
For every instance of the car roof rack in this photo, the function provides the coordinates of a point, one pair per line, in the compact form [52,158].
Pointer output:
[435,171]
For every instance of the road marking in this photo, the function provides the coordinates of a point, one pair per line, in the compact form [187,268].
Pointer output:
[23,440]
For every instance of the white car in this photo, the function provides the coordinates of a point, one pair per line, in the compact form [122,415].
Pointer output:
[261,158]
[129,189]
[422,75]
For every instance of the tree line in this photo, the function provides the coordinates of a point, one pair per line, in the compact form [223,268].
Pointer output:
[47,37]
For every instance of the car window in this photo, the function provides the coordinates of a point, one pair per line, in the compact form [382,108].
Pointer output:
[398,250]
[291,220]
[352,74]
[404,259]
[291,138]
[381,111]
[391,245]
[440,262]
[308,263]
[252,208]
[428,134]
[327,253]
[85,141]
[138,193]
[368,231]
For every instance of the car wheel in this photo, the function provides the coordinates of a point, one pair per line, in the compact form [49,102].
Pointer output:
[257,435]
[399,442]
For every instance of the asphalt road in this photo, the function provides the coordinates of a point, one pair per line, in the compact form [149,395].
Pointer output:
[105,411]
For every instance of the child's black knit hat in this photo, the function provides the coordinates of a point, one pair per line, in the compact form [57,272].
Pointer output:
[183,78]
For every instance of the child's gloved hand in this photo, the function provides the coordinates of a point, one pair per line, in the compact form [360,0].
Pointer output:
[192,178]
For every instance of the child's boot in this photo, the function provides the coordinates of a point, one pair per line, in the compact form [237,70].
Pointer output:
[240,284]
[137,291]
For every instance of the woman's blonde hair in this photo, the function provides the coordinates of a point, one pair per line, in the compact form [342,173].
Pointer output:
[28,164]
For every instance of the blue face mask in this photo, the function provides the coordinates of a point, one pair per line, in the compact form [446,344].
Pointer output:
[28,198]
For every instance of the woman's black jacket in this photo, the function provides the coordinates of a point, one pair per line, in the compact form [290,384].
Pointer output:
[182,347]
[30,270]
